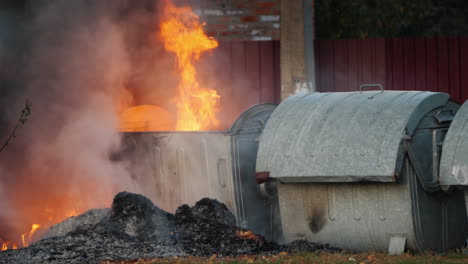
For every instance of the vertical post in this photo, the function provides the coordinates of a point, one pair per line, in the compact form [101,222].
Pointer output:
[296,51]
[309,34]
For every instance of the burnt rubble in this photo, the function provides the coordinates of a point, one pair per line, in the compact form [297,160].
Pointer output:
[135,228]
[209,228]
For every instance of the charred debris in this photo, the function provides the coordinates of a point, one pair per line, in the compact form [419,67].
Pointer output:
[134,228]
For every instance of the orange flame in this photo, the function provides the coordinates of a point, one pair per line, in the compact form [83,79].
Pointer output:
[25,240]
[249,234]
[8,245]
[5,246]
[183,35]
[146,118]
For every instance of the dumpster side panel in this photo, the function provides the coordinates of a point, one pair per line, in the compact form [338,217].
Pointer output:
[454,160]
[363,216]
[354,216]
[177,168]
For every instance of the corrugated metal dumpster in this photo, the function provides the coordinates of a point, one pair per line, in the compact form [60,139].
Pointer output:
[454,160]
[174,167]
[358,169]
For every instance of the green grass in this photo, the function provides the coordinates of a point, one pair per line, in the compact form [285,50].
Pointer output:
[319,258]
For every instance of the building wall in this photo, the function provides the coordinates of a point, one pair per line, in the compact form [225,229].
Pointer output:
[257,20]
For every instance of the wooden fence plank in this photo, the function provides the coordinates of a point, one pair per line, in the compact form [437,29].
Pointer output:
[318,61]
[277,70]
[238,78]
[380,63]
[454,68]
[408,60]
[442,65]
[367,56]
[327,54]
[397,64]
[267,92]
[389,64]
[354,62]
[341,71]
[464,68]
[420,64]
[431,68]
[252,73]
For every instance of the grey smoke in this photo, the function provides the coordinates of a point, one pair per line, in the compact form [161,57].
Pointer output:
[76,61]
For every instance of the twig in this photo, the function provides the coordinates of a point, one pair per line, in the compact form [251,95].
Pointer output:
[25,113]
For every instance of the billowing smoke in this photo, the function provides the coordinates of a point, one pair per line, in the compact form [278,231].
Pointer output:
[79,63]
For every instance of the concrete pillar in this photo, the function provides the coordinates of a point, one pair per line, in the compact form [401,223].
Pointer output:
[297,59]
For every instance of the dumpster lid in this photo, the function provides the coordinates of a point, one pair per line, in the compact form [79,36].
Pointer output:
[454,159]
[253,120]
[342,137]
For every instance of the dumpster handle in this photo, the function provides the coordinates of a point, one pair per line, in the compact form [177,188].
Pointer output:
[371,85]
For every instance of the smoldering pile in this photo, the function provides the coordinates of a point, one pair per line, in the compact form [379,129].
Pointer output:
[135,228]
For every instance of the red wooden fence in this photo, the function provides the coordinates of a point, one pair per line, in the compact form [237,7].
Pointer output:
[432,64]
[244,73]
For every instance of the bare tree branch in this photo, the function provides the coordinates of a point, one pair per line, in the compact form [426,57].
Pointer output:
[25,113]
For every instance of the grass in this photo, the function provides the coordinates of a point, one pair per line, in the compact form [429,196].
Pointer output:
[319,258]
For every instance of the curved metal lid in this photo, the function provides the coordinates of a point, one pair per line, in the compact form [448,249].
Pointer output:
[342,137]
[253,120]
[454,159]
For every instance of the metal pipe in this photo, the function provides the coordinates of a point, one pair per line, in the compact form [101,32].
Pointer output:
[309,43]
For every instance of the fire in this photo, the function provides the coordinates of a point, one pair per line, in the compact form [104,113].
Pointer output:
[146,118]
[26,240]
[183,35]
[71,213]
[247,235]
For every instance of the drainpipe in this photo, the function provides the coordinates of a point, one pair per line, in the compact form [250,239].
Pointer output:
[309,44]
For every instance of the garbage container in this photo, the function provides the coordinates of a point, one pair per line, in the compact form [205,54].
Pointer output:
[454,161]
[359,170]
[177,167]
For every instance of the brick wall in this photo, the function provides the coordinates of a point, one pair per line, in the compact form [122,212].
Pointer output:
[240,19]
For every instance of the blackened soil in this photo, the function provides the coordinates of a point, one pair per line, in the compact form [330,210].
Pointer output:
[135,228]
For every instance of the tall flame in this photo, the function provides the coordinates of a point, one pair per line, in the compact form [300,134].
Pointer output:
[183,35]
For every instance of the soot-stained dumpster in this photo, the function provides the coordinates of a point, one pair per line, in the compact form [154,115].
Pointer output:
[358,170]
[174,167]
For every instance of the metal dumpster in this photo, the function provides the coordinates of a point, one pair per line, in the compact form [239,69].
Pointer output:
[173,168]
[454,160]
[359,170]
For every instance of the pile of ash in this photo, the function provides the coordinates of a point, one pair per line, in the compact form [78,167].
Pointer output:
[134,229]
